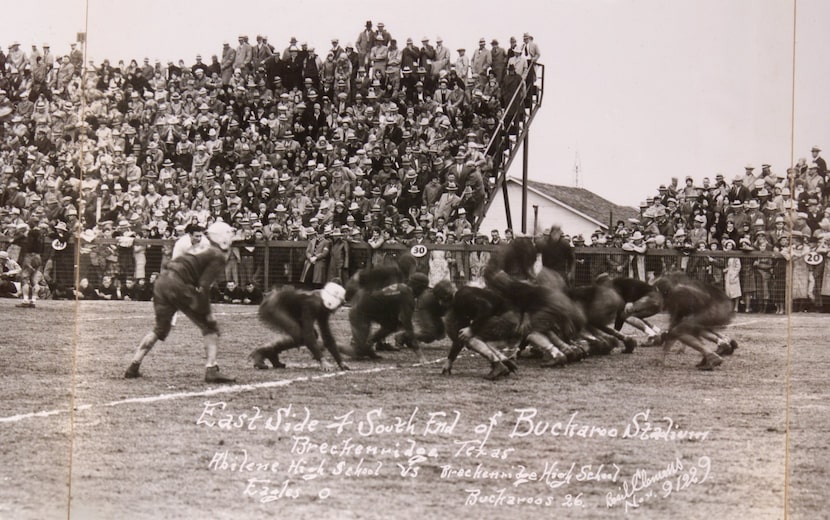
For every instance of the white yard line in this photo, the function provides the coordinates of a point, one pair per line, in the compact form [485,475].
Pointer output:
[233,389]
[230,389]
[743,323]
[149,316]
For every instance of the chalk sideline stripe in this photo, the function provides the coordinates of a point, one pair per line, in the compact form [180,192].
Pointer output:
[85,320]
[230,389]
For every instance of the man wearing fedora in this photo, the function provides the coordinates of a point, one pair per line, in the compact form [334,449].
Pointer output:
[530,54]
[480,63]
[738,191]
[819,161]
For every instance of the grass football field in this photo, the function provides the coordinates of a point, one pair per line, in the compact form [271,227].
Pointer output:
[601,438]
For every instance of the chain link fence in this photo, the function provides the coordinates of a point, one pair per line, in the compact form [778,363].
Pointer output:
[758,280]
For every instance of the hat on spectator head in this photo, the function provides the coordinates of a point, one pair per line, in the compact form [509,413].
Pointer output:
[753,204]
[737,203]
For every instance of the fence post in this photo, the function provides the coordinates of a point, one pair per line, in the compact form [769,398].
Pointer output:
[267,266]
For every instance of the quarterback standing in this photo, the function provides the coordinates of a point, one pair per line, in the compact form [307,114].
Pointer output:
[185,286]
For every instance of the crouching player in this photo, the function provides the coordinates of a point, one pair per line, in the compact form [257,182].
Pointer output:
[477,316]
[185,286]
[294,313]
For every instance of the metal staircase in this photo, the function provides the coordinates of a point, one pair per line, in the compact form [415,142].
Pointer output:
[511,132]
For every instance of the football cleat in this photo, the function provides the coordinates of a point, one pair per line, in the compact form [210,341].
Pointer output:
[132,371]
[497,372]
[212,375]
[710,361]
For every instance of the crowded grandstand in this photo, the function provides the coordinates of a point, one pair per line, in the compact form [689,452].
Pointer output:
[354,152]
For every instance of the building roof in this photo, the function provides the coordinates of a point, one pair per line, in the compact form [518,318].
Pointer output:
[582,201]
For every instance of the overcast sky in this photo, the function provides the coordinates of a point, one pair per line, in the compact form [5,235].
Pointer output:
[642,90]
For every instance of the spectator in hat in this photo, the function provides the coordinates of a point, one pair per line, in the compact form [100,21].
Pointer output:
[737,214]
[227,63]
[317,258]
[244,55]
[378,58]
[753,211]
[510,85]
[738,191]
[800,286]
[381,30]
[498,61]
[813,181]
[364,43]
[819,162]
[76,56]
[448,202]
[64,74]
[261,52]
[800,224]
[441,63]
[410,58]
[462,64]
[474,194]
[338,264]
[461,224]
[480,63]
[427,58]
[699,232]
